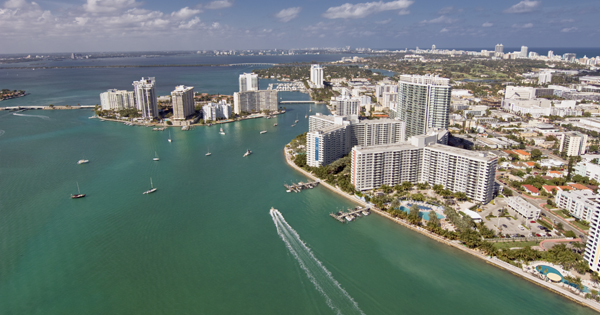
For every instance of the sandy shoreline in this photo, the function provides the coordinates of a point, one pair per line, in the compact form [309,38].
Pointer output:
[492,261]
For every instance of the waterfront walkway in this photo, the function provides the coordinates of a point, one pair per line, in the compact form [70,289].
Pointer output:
[455,244]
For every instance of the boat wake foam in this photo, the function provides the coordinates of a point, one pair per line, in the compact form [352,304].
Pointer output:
[38,116]
[335,296]
[2,132]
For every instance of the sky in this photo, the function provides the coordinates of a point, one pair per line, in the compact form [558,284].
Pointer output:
[135,25]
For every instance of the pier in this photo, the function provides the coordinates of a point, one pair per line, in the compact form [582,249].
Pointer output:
[349,216]
[300,186]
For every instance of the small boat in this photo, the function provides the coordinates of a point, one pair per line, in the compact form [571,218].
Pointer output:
[208,152]
[275,125]
[170,136]
[151,190]
[155,157]
[83,161]
[221,131]
[349,218]
[365,212]
[264,131]
[293,125]
[78,195]
[248,152]
[305,116]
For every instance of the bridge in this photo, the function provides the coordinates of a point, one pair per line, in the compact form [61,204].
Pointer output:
[254,64]
[46,107]
[301,102]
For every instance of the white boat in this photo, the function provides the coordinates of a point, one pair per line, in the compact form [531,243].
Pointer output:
[221,131]
[365,212]
[275,125]
[170,136]
[79,194]
[151,190]
[248,152]
[293,125]
[264,131]
[208,152]
[82,161]
[155,157]
[349,218]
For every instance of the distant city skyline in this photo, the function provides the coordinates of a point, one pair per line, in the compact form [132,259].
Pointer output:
[130,25]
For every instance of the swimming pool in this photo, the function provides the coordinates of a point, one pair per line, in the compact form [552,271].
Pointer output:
[422,214]
[547,269]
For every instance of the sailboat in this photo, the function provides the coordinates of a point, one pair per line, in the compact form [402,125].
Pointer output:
[296,121]
[78,195]
[208,153]
[151,190]
[221,131]
[170,136]
[155,157]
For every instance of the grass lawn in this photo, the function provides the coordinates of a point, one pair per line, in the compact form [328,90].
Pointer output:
[510,244]
[579,225]
[560,213]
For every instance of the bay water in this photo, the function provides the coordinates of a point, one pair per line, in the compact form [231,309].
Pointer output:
[205,242]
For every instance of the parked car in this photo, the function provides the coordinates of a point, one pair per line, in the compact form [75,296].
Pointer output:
[538,235]
[532,221]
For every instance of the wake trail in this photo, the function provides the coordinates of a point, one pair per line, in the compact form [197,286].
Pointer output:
[335,296]
[37,116]
[2,132]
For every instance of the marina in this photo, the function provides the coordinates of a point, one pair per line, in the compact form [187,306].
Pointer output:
[300,186]
[352,214]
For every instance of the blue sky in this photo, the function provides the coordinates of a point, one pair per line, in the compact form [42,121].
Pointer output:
[135,25]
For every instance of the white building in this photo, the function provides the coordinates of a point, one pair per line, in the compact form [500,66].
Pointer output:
[116,100]
[423,103]
[145,98]
[337,136]
[545,77]
[573,143]
[183,102]
[523,52]
[316,76]
[580,203]
[523,208]
[255,101]
[423,160]
[248,82]
[214,111]
[383,90]
[592,249]
[589,170]
[346,105]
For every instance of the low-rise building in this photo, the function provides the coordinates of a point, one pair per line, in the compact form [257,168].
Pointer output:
[531,189]
[589,170]
[579,203]
[523,208]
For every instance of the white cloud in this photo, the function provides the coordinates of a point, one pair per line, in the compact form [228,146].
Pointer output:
[108,6]
[383,22]
[440,20]
[189,24]
[444,30]
[361,10]
[524,6]
[219,4]
[487,24]
[528,25]
[569,29]
[288,14]
[449,10]
[185,13]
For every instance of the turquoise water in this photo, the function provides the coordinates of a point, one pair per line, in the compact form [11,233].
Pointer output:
[422,214]
[547,269]
[205,242]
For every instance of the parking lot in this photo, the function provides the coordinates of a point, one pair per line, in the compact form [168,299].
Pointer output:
[512,224]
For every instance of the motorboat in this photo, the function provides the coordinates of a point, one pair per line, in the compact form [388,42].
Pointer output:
[264,131]
[248,152]
[82,161]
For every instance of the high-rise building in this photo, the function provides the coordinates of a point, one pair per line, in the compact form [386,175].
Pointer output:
[573,143]
[386,93]
[418,161]
[183,102]
[423,103]
[523,52]
[337,135]
[550,54]
[499,48]
[249,82]
[145,97]
[316,76]
[117,100]
[545,77]
[592,249]
[255,101]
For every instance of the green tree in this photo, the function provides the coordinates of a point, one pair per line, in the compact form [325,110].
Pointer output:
[507,192]
[433,219]
[536,154]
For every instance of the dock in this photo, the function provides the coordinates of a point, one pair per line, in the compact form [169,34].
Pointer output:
[352,214]
[300,186]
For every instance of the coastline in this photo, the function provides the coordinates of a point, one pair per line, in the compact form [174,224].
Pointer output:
[456,244]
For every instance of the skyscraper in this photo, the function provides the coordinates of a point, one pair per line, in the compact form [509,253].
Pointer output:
[523,52]
[592,248]
[316,76]
[423,103]
[499,48]
[145,97]
[183,102]
[248,82]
